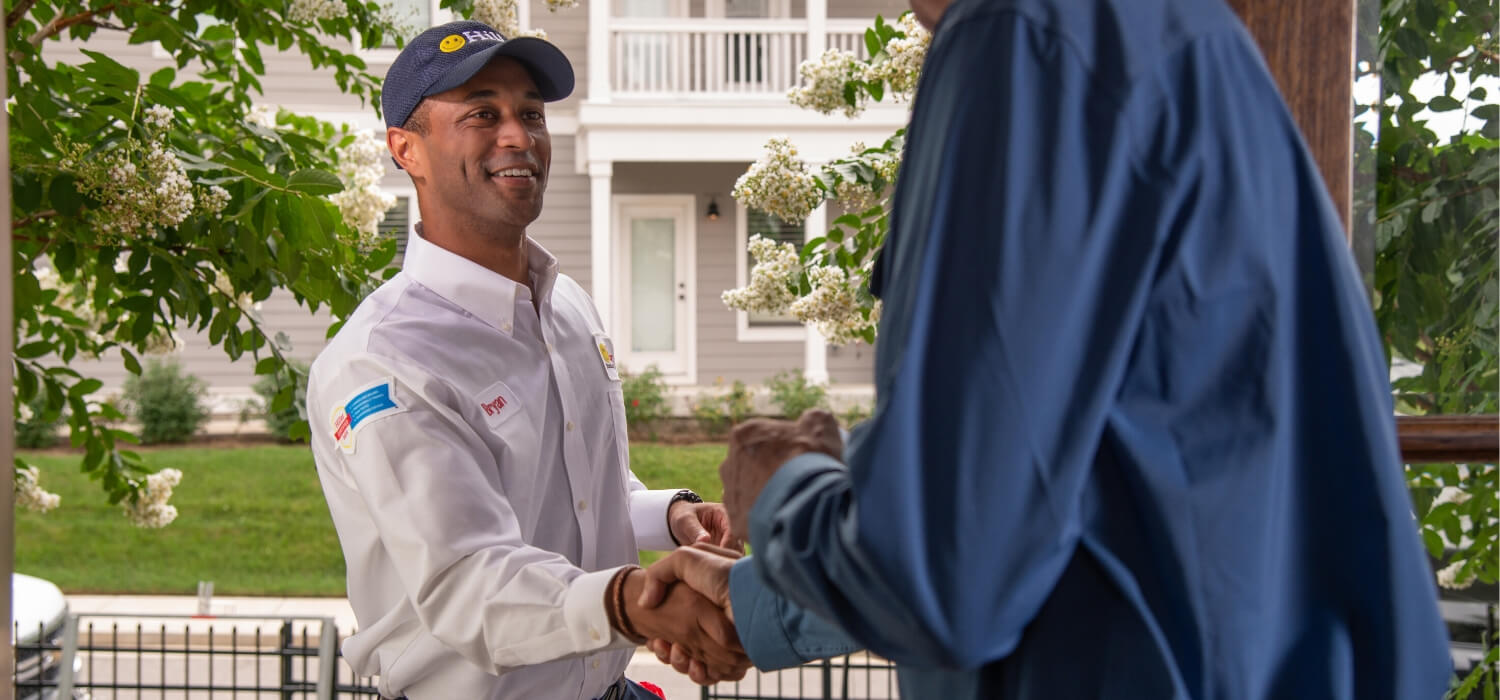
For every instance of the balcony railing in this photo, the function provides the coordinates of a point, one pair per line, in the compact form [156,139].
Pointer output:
[717,58]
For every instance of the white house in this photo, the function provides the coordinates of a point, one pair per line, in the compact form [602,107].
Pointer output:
[674,99]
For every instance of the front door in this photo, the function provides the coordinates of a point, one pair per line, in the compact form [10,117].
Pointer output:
[656,280]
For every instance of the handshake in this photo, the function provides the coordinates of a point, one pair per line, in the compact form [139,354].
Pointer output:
[680,606]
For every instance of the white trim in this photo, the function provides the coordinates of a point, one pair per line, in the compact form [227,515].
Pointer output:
[815,351]
[687,205]
[743,331]
[601,227]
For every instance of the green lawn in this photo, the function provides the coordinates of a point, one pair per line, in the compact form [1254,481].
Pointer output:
[252,520]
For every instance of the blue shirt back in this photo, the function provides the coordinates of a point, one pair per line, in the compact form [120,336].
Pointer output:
[1134,435]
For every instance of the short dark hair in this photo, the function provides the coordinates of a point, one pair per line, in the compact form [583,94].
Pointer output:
[417,122]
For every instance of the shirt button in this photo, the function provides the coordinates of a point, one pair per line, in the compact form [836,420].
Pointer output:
[594,633]
[549,347]
[506,328]
[570,426]
[596,664]
[583,505]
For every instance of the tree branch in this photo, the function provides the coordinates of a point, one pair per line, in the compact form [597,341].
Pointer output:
[31,219]
[60,23]
[18,12]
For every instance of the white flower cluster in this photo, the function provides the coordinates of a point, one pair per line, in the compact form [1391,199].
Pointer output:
[823,79]
[362,202]
[214,199]
[308,11]
[29,493]
[501,14]
[150,507]
[158,117]
[833,306]
[898,66]
[555,5]
[156,192]
[263,116]
[1448,577]
[904,56]
[770,287]
[854,196]
[779,184]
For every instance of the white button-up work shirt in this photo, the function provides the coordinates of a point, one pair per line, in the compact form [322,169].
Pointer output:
[471,444]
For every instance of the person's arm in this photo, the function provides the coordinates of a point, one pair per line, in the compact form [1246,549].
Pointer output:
[1016,272]
[429,484]
[775,632]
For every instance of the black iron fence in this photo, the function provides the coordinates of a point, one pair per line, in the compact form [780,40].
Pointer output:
[852,677]
[104,657]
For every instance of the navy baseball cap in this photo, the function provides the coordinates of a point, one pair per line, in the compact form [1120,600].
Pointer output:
[446,56]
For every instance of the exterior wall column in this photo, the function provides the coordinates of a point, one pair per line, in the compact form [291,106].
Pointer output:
[601,240]
[599,54]
[815,348]
[817,28]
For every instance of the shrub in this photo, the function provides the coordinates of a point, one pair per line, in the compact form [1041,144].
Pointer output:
[794,394]
[855,414]
[645,399]
[166,402]
[32,427]
[284,424]
[717,412]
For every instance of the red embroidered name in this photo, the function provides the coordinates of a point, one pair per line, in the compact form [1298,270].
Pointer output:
[493,407]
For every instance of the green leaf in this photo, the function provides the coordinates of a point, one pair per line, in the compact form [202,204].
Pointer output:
[872,42]
[108,70]
[1431,212]
[1444,103]
[141,328]
[315,182]
[267,365]
[85,387]
[64,196]
[132,365]
[33,350]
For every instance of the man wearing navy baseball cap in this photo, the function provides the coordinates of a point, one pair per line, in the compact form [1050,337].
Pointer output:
[469,429]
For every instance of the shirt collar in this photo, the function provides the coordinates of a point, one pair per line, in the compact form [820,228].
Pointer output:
[487,295]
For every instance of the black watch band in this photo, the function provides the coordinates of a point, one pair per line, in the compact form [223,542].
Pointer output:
[683,495]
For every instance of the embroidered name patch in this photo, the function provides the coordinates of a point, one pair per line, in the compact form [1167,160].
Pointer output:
[375,401]
[497,402]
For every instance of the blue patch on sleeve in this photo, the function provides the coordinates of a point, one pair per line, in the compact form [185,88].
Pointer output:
[368,403]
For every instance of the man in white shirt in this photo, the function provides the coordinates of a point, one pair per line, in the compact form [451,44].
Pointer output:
[468,423]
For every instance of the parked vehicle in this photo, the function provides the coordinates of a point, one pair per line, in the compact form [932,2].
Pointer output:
[38,612]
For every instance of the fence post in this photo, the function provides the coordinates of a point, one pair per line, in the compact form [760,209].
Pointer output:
[827,679]
[328,659]
[285,652]
[70,652]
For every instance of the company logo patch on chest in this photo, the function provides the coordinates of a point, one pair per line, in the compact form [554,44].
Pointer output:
[497,402]
[606,348]
[363,407]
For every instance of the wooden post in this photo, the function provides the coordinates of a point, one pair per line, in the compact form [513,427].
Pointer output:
[1309,45]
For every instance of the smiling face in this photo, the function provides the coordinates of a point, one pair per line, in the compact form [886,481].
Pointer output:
[482,153]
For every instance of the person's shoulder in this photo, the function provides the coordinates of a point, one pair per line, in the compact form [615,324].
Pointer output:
[1116,40]
[358,334]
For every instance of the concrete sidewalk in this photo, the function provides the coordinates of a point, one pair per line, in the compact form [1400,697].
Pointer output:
[226,613]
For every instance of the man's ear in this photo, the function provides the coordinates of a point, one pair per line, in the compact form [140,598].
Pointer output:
[407,148]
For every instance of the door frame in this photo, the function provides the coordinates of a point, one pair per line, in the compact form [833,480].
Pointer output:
[684,207]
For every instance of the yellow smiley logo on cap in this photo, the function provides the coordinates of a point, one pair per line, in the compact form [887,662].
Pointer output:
[451,43]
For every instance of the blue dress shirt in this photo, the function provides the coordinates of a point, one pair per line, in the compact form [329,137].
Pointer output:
[1134,436]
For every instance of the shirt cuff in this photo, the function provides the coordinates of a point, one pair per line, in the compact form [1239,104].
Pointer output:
[782,485]
[648,515]
[584,616]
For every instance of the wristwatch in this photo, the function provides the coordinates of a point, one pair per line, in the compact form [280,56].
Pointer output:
[683,495]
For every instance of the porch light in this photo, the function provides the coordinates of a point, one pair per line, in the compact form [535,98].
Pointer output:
[713,209]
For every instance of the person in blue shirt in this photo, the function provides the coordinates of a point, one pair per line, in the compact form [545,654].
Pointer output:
[1133,434]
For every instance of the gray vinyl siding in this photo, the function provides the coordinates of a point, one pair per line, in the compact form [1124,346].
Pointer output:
[720,353]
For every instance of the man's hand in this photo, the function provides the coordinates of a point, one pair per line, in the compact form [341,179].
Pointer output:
[692,523]
[696,628]
[757,448]
[703,567]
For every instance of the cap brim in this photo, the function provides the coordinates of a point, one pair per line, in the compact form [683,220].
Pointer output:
[546,63]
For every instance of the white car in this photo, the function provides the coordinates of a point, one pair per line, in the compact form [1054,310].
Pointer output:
[38,611]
